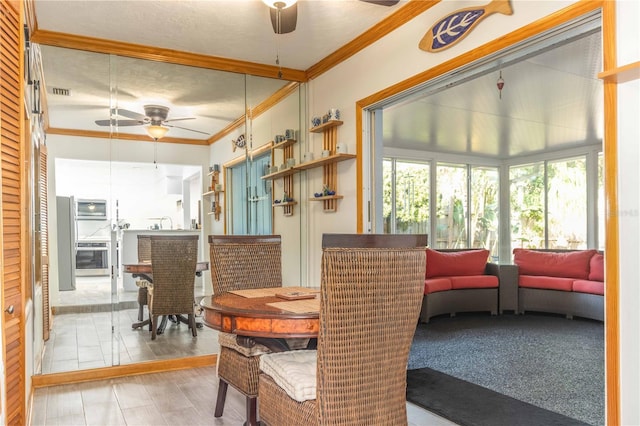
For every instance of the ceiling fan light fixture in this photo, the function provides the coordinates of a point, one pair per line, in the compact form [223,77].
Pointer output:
[279,4]
[156,131]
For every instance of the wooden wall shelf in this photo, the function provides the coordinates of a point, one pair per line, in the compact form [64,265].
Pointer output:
[335,158]
[214,195]
[287,174]
[282,173]
[329,164]
[325,126]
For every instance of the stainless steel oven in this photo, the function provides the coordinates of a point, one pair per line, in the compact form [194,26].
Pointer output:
[92,258]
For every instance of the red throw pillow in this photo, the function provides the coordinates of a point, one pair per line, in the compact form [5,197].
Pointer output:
[596,267]
[456,263]
[572,264]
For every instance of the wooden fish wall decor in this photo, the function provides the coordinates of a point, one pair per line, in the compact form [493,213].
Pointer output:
[457,25]
[241,143]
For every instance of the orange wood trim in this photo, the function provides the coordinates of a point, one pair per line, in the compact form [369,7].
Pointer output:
[400,17]
[272,100]
[148,367]
[236,161]
[230,128]
[622,74]
[256,111]
[121,136]
[612,277]
[26,225]
[260,150]
[610,148]
[535,28]
[139,51]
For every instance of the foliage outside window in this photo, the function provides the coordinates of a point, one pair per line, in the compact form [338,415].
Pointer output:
[407,192]
[567,204]
[549,204]
[409,211]
[485,206]
[601,215]
[451,207]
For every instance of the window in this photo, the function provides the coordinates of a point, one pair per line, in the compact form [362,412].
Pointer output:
[407,209]
[451,207]
[251,211]
[567,204]
[527,206]
[549,204]
[406,197]
[601,215]
[485,208]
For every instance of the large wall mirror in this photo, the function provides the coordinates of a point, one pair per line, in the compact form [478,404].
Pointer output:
[109,181]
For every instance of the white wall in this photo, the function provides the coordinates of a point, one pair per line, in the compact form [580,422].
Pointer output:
[628,51]
[284,115]
[387,62]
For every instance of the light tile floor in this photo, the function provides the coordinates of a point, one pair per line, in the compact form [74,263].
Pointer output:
[82,336]
[84,340]
[176,398]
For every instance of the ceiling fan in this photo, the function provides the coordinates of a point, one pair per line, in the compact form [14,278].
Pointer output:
[154,118]
[284,13]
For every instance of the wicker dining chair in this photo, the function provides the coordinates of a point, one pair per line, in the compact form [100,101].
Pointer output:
[371,294]
[144,255]
[173,264]
[241,262]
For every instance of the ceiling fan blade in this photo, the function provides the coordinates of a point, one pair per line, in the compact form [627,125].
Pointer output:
[179,119]
[129,114]
[284,20]
[382,2]
[120,123]
[184,128]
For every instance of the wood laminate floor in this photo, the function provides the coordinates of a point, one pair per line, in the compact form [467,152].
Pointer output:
[185,397]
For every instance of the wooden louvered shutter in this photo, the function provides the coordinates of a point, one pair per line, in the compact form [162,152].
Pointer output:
[11,220]
[44,242]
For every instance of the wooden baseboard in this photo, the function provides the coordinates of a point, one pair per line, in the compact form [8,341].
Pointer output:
[147,367]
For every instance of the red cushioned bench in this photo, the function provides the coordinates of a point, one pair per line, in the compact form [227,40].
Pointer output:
[458,281]
[568,282]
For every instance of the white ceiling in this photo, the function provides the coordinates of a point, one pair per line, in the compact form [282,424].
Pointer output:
[550,101]
[235,29]
[238,29]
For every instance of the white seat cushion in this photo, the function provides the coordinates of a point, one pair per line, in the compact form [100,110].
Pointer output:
[293,371]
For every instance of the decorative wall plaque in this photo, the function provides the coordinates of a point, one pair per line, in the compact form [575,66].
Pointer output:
[457,25]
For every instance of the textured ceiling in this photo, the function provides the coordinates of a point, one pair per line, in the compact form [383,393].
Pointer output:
[550,101]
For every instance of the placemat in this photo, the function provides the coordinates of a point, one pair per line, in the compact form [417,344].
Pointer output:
[270,292]
[298,306]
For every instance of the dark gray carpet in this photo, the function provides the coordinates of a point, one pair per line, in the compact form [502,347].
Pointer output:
[544,360]
[474,405]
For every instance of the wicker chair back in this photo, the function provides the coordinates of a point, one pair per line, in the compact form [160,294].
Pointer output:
[371,295]
[173,263]
[245,261]
[144,248]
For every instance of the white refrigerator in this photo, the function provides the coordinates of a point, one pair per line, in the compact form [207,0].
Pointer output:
[66,211]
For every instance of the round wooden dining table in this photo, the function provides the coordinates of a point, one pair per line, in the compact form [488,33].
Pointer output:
[261,320]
